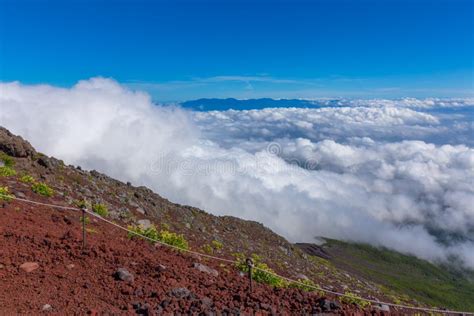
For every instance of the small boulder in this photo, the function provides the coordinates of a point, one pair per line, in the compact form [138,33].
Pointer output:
[301,277]
[335,305]
[382,307]
[67,220]
[385,308]
[141,309]
[123,275]
[203,268]
[181,292]
[47,308]
[144,223]
[29,266]
[44,161]
[19,194]
[133,204]
[70,266]
[328,305]
[206,302]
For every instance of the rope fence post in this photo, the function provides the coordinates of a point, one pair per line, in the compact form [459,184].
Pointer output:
[250,266]
[83,208]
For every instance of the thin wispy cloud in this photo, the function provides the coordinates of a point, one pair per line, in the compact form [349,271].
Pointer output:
[261,86]
[198,81]
[266,79]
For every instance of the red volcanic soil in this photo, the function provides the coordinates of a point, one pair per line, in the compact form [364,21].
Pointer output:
[64,279]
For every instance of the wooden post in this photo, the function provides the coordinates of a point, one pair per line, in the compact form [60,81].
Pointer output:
[250,266]
[83,227]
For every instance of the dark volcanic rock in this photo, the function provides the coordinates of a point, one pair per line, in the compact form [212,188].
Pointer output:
[15,145]
[314,250]
[181,292]
[328,305]
[203,268]
[123,275]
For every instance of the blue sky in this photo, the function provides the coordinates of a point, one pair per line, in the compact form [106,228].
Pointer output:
[179,50]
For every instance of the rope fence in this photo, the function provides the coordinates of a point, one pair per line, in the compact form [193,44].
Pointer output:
[316,288]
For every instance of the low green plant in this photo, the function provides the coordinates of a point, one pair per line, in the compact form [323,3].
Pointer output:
[173,239]
[42,189]
[7,160]
[5,195]
[261,272]
[27,179]
[6,171]
[82,204]
[213,247]
[137,230]
[163,235]
[351,298]
[217,245]
[100,209]
[208,249]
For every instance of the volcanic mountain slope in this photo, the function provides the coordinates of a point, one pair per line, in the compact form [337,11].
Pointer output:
[449,286]
[43,268]
[72,281]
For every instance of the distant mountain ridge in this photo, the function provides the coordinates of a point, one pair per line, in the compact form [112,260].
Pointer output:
[254,104]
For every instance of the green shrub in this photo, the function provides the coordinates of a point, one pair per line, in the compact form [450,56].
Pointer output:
[6,171]
[261,272]
[173,239]
[27,179]
[163,236]
[150,232]
[7,160]
[217,245]
[214,246]
[351,298]
[42,189]
[5,195]
[82,203]
[208,249]
[100,209]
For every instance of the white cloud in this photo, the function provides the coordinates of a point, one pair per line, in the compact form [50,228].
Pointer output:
[362,172]
[411,103]
[384,121]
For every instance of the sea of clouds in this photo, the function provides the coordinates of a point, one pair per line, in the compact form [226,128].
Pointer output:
[394,173]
